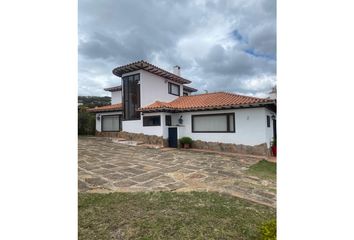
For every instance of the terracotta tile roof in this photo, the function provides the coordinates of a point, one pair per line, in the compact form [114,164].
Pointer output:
[131,67]
[208,101]
[108,108]
[113,89]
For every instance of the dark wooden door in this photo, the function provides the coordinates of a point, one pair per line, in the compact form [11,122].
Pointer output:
[172,137]
[275,129]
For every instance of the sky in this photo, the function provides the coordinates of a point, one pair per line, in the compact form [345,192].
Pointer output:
[219,45]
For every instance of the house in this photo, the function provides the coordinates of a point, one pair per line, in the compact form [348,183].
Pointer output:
[157,107]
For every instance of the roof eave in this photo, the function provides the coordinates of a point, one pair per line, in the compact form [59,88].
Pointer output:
[142,65]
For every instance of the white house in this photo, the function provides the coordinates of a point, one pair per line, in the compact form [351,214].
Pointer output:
[152,102]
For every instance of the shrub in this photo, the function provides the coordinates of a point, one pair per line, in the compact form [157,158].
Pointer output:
[269,230]
[185,140]
[86,123]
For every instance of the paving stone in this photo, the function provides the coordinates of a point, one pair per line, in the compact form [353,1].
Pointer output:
[116,176]
[134,171]
[95,181]
[176,185]
[103,164]
[82,186]
[146,176]
[124,183]
[108,166]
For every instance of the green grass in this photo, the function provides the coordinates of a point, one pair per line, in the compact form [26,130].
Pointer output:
[169,215]
[264,169]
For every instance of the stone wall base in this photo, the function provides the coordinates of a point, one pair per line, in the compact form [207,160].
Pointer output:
[107,134]
[261,149]
[148,139]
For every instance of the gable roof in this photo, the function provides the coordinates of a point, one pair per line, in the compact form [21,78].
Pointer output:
[108,108]
[131,67]
[189,89]
[113,89]
[207,101]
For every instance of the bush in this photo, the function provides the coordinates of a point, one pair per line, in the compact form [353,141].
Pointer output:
[185,140]
[269,230]
[86,123]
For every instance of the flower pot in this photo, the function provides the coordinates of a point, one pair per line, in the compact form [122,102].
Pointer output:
[274,151]
[186,145]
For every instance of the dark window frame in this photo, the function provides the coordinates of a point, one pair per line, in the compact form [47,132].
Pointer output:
[216,114]
[119,122]
[268,121]
[144,123]
[185,94]
[124,88]
[170,89]
[168,122]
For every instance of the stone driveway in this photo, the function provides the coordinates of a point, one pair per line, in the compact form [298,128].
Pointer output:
[106,166]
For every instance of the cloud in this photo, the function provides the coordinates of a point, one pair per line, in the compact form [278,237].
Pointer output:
[225,45]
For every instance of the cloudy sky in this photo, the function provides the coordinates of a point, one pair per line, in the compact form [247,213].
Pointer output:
[220,45]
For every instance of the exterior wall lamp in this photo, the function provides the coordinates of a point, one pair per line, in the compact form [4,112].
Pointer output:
[98,117]
[273,117]
[180,120]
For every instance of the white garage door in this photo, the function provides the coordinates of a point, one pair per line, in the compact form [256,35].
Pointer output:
[110,123]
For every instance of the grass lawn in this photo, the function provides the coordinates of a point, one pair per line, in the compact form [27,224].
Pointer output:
[264,169]
[169,215]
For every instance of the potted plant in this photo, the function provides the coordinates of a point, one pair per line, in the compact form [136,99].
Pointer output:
[186,142]
[274,147]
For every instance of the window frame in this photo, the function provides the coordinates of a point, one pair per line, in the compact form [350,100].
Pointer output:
[268,121]
[119,122]
[144,117]
[170,89]
[216,114]
[170,120]
[124,88]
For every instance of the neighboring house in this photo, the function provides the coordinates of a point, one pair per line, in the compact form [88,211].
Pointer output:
[156,106]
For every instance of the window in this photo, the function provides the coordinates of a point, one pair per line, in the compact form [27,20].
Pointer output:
[110,123]
[268,121]
[168,120]
[185,94]
[173,89]
[131,97]
[152,121]
[213,123]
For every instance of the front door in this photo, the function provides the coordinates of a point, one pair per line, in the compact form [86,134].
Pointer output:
[172,137]
[275,129]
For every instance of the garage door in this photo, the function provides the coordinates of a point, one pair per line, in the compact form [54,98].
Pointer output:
[110,123]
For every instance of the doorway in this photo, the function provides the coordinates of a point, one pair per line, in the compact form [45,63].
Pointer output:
[172,137]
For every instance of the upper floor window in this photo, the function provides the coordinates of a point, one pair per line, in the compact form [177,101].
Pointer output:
[131,97]
[173,89]
[185,94]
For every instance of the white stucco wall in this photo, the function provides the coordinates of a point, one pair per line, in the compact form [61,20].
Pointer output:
[136,126]
[116,97]
[269,130]
[154,88]
[98,123]
[250,127]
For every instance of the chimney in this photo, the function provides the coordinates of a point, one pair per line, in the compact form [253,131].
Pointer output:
[177,70]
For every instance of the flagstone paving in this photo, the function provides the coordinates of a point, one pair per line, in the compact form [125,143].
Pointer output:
[105,166]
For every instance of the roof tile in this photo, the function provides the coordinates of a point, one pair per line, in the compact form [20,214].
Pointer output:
[108,108]
[206,101]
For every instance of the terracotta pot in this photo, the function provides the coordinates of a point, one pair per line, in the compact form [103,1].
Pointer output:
[186,145]
[274,151]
